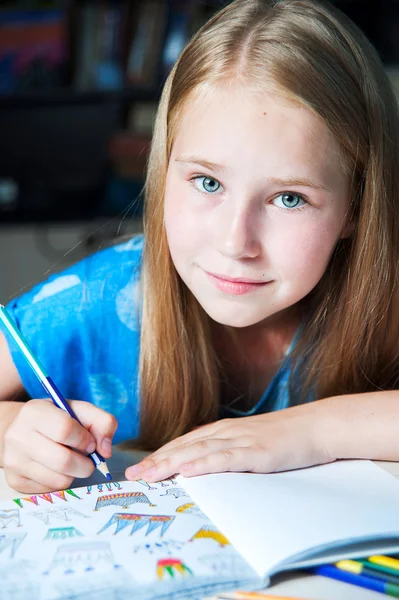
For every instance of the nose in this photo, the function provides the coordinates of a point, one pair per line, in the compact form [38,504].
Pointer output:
[239,233]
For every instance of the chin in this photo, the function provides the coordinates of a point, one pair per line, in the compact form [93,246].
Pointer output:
[239,321]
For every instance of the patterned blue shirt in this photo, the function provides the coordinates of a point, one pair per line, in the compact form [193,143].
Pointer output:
[84,326]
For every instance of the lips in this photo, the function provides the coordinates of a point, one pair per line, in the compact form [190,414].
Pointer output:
[236,286]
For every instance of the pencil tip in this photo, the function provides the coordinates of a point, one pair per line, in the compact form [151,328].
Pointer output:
[102,467]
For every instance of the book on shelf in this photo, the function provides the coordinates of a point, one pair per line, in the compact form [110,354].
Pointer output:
[33,49]
[99,42]
[146,43]
[191,538]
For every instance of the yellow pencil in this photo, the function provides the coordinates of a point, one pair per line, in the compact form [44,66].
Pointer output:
[254,596]
[384,561]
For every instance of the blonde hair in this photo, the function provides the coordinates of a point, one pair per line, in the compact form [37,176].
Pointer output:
[318,57]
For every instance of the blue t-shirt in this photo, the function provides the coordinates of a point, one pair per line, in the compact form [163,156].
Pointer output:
[84,326]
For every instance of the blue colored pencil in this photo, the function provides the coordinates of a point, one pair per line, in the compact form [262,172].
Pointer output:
[46,381]
[360,580]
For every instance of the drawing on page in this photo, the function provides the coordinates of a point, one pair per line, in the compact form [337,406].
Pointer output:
[62,533]
[86,570]
[81,557]
[34,499]
[61,513]
[225,564]
[210,531]
[172,567]
[163,547]
[191,509]
[176,492]
[147,485]
[172,481]
[137,522]
[9,516]
[100,487]
[125,500]
[9,542]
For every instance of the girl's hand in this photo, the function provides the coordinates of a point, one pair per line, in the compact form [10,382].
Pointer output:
[278,441]
[45,449]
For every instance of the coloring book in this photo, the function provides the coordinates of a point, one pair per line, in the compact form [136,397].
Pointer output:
[186,539]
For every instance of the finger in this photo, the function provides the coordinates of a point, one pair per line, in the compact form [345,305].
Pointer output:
[237,459]
[101,424]
[59,426]
[220,429]
[34,477]
[59,458]
[172,464]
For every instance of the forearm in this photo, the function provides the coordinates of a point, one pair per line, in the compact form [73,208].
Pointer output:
[360,425]
[8,412]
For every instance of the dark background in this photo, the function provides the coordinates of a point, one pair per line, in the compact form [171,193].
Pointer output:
[79,85]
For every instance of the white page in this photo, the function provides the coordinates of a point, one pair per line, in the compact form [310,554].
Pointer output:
[270,517]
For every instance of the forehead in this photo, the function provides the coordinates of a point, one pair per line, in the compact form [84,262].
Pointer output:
[231,121]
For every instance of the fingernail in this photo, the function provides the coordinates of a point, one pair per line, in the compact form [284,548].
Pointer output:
[106,446]
[91,447]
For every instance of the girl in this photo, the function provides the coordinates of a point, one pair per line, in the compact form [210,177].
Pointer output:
[267,286]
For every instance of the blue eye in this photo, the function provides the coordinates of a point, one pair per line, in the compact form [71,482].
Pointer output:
[289,200]
[206,185]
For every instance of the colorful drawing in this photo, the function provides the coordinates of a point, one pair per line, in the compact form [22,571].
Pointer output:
[123,520]
[125,500]
[177,493]
[100,487]
[210,531]
[62,513]
[171,566]
[191,509]
[47,497]
[9,516]
[62,533]
[168,546]
[11,541]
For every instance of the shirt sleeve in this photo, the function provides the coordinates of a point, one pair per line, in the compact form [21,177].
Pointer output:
[83,325]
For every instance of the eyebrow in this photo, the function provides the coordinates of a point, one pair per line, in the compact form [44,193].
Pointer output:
[284,182]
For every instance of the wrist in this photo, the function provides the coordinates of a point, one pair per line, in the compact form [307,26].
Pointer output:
[330,427]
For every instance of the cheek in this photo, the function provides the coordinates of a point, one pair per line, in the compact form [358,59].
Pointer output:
[303,253]
[184,219]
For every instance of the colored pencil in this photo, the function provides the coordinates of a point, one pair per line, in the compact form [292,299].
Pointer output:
[385,561]
[46,381]
[253,596]
[379,568]
[359,580]
[359,568]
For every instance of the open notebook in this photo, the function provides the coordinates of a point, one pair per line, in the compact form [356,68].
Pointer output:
[190,538]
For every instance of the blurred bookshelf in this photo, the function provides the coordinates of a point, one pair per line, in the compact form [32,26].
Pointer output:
[80,82]
[79,85]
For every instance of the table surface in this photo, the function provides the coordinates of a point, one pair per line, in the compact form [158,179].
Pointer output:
[293,584]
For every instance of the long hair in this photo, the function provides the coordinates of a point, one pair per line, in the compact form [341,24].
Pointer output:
[318,58]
